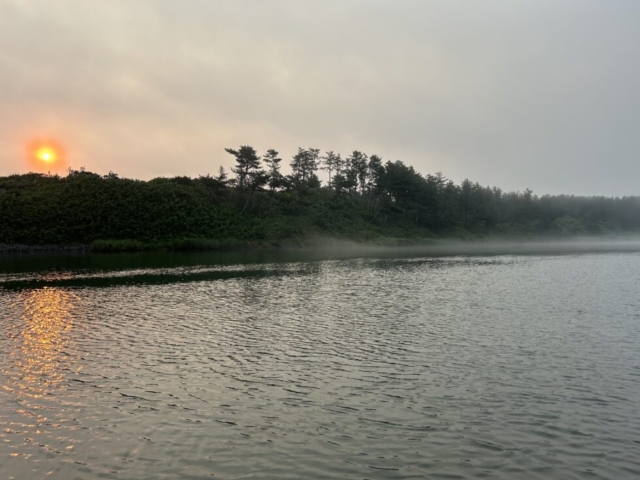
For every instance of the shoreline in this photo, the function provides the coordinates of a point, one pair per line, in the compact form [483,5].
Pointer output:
[18,249]
[331,245]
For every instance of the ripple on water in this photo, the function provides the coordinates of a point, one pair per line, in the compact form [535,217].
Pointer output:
[502,367]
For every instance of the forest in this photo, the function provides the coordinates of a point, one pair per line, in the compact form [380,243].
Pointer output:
[364,199]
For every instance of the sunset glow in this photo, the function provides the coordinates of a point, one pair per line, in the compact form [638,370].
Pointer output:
[45,155]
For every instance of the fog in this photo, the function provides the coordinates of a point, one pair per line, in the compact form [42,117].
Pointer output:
[446,247]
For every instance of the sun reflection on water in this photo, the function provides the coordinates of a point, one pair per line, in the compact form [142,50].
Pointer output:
[38,367]
[47,318]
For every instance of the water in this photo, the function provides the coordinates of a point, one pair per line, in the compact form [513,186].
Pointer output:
[146,367]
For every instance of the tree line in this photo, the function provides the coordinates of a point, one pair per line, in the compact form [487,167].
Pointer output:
[364,198]
[430,201]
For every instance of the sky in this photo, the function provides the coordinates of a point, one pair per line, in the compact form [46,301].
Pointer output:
[540,94]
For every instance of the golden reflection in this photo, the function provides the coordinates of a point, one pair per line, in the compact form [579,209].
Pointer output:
[41,361]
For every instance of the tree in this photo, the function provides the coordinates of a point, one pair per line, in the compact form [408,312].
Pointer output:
[247,161]
[360,166]
[375,184]
[329,163]
[272,161]
[222,175]
[349,176]
[313,160]
[256,179]
[466,190]
[304,165]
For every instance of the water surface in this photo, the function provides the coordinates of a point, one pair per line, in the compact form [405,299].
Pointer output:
[142,367]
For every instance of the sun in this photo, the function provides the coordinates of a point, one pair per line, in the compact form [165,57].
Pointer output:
[45,155]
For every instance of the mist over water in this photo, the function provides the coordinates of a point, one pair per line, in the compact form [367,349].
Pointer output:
[143,366]
[587,244]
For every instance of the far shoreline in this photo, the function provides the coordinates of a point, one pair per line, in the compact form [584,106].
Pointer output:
[331,246]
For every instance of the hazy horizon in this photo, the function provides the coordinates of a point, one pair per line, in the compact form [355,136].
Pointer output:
[517,95]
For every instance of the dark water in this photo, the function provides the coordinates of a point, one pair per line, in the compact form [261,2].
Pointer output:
[145,367]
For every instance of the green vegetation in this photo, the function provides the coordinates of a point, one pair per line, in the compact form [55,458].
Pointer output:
[364,200]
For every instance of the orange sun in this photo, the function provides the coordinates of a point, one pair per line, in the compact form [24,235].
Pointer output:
[45,155]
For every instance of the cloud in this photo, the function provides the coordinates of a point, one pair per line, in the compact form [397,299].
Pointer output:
[537,94]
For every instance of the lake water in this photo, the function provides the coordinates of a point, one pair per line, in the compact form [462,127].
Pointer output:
[210,366]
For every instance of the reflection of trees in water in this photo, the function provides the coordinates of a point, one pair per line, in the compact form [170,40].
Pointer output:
[47,316]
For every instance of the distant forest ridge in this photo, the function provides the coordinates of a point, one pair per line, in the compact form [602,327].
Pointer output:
[364,199]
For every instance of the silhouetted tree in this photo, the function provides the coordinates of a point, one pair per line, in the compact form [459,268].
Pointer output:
[303,166]
[256,179]
[331,162]
[272,161]
[359,164]
[222,175]
[247,161]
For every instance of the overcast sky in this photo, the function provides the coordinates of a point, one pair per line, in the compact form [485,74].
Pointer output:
[537,94]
